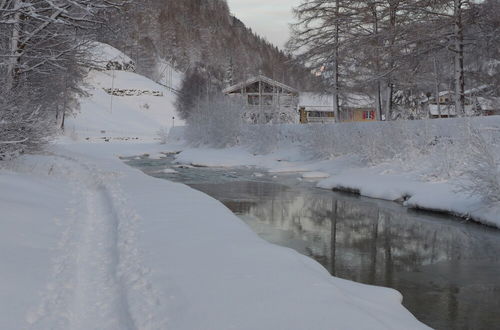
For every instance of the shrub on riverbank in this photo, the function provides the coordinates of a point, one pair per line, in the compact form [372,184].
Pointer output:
[463,149]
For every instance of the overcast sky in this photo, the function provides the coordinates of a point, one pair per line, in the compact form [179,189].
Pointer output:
[269,18]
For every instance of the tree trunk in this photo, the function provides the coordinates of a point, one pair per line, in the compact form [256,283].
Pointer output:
[336,89]
[393,10]
[14,46]
[379,102]
[373,9]
[388,100]
[459,59]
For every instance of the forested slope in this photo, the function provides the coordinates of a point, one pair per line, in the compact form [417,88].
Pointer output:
[203,34]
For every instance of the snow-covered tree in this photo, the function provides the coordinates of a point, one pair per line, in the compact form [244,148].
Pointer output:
[389,48]
[481,175]
[42,47]
[215,122]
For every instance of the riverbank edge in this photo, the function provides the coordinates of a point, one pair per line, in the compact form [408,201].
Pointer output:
[417,207]
[346,175]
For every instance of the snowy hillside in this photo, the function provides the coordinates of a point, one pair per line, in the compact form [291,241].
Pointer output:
[103,56]
[140,115]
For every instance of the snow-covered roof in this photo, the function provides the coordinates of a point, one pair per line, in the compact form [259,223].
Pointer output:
[489,103]
[316,100]
[449,110]
[467,92]
[443,93]
[476,90]
[255,79]
[308,99]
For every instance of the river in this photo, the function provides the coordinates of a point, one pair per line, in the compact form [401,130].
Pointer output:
[448,270]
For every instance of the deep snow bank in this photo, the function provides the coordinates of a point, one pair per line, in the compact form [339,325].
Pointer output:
[183,260]
[33,205]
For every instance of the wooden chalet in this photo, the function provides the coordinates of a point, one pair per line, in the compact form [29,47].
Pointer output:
[316,108]
[444,106]
[266,100]
[357,108]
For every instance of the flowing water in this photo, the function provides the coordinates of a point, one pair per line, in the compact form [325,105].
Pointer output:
[448,270]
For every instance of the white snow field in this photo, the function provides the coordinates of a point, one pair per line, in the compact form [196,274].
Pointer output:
[87,242]
[109,116]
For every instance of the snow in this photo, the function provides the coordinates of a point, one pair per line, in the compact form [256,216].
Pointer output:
[131,251]
[434,196]
[489,103]
[316,100]
[87,242]
[104,115]
[315,175]
[101,54]
[33,207]
[156,156]
[123,80]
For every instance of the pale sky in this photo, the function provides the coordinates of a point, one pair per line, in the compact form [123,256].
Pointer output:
[268,18]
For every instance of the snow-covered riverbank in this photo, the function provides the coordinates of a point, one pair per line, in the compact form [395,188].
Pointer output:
[423,182]
[88,241]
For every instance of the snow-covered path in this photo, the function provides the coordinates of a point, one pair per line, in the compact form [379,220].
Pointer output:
[100,294]
[98,269]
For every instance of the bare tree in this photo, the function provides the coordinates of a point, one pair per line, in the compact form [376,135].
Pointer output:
[42,47]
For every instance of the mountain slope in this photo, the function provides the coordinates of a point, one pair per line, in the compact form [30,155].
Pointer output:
[194,33]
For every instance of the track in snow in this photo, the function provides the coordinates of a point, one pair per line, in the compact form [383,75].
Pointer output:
[99,293]
[99,281]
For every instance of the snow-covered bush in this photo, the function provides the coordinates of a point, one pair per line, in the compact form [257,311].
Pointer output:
[215,122]
[261,138]
[481,176]
[372,142]
[322,141]
[23,126]
[438,149]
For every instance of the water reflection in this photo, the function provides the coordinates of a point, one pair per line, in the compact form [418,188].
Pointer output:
[448,271]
